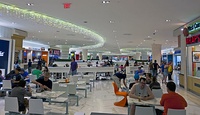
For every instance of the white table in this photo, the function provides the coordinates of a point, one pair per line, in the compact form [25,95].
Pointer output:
[153,102]
[50,95]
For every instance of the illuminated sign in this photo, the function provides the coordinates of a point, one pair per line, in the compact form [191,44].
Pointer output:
[193,39]
[2,53]
[194,28]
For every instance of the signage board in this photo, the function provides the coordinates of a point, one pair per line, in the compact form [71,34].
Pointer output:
[4,54]
[193,39]
[193,28]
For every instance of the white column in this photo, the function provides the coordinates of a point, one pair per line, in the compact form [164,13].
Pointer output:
[20,55]
[100,56]
[144,55]
[84,54]
[64,53]
[184,60]
[156,52]
[137,56]
[29,55]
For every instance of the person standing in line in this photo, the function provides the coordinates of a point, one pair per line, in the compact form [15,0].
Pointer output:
[73,67]
[170,71]
[165,74]
[29,66]
[155,68]
[151,68]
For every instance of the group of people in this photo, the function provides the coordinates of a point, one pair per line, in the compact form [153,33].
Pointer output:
[142,89]
[20,80]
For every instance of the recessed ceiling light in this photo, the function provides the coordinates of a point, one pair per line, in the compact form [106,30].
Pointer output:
[156,31]
[149,36]
[182,29]
[55,36]
[114,31]
[65,40]
[144,40]
[105,2]
[111,21]
[166,40]
[13,23]
[30,4]
[39,31]
[167,20]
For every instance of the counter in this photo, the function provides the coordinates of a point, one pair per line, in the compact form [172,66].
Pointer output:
[181,80]
[194,84]
[25,65]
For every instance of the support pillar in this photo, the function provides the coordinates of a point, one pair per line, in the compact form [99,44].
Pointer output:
[156,53]
[64,53]
[184,60]
[84,54]
[100,56]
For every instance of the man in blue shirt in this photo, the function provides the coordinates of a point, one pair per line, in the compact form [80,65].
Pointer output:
[74,66]
[138,73]
[117,79]
[25,75]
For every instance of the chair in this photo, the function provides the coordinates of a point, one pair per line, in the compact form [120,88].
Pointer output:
[123,102]
[176,112]
[71,91]
[74,78]
[144,110]
[36,106]
[82,87]
[11,104]
[7,86]
[157,93]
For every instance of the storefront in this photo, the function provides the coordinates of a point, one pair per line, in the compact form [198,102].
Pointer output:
[177,59]
[192,78]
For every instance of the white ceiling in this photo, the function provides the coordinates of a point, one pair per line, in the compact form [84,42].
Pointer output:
[134,21]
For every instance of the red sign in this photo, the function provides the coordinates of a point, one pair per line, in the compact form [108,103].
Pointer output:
[67,5]
[193,39]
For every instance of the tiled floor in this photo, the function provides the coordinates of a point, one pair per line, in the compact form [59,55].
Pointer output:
[102,97]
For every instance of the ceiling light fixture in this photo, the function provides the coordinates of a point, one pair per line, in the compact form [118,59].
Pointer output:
[166,40]
[148,36]
[30,4]
[105,2]
[40,18]
[144,40]
[39,31]
[111,22]
[114,31]
[167,20]
[182,29]
[13,23]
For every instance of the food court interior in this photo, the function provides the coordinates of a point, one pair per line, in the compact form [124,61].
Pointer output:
[104,37]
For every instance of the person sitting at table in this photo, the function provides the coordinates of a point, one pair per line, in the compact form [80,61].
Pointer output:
[136,76]
[44,82]
[1,78]
[148,78]
[117,77]
[45,69]
[16,77]
[171,100]
[140,91]
[25,75]
[154,84]
[37,72]
[20,92]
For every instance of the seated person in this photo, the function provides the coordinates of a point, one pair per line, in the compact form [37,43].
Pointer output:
[1,77]
[20,92]
[139,71]
[154,84]
[140,91]
[148,78]
[171,100]
[16,77]
[25,75]
[44,82]
[136,76]
[117,79]
[37,72]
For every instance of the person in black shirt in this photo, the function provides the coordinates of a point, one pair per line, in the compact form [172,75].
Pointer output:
[154,84]
[44,82]
[117,79]
[155,68]
[29,66]
[16,77]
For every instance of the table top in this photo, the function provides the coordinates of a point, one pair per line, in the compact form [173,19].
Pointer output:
[48,94]
[154,102]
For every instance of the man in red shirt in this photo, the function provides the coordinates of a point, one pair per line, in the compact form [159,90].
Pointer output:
[171,100]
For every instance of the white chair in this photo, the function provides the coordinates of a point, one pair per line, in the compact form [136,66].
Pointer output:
[71,90]
[11,104]
[157,93]
[36,106]
[144,110]
[74,78]
[82,87]
[7,85]
[176,112]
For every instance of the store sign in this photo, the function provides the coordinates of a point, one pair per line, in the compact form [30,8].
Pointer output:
[194,28]
[54,52]
[4,53]
[193,39]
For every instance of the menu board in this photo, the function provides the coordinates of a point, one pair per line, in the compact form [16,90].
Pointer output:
[196,56]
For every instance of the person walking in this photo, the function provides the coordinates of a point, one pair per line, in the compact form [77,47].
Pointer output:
[29,66]
[73,67]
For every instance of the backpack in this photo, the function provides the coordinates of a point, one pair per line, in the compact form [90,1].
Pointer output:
[170,69]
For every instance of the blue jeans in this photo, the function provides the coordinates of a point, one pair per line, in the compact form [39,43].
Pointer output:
[74,72]
[154,73]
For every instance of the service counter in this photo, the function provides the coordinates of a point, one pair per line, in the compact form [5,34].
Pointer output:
[25,65]
[193,83]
